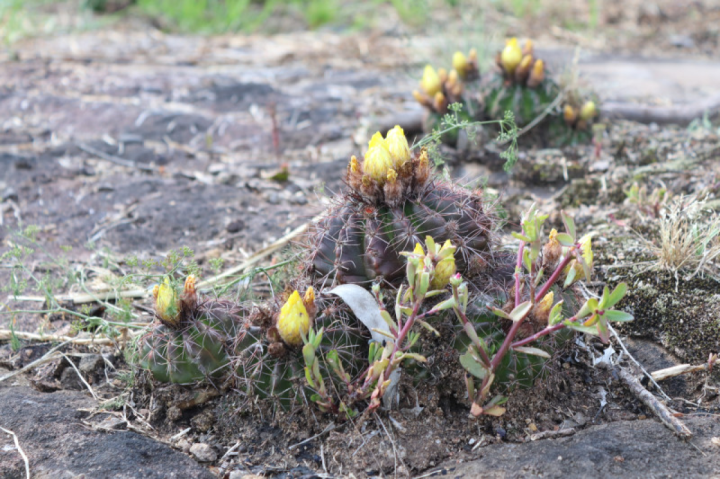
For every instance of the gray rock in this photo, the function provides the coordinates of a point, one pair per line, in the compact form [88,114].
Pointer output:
[620,449]
[203,452]
[91,364]
[58,445]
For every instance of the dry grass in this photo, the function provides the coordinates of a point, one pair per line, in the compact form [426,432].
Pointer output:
[688,238]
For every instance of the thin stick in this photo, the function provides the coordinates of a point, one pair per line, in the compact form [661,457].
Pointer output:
[115,159]
[6,334]
[83,298]
[80,376]
[658,408]
[22,453]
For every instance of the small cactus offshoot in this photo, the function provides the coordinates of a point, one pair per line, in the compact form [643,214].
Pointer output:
[395,200]
[190,344]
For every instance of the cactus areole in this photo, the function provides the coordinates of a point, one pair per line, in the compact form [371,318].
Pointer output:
[391,206]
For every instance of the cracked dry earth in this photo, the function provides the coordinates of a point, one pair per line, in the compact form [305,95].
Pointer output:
[139,142]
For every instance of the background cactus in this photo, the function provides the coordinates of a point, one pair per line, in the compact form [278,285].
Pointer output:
[440,89]
[361,238]
[521,86]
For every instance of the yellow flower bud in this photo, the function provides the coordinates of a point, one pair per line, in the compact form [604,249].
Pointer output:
[569,114]
[472,56]
[528,48]
[430,81]
[391,176]
[293,321]
[309,297]
[377,163]
[460,64]
[166,302]
[511,56]
[398,146]
[442,75]
[453,78]
[588,110]
[444,268]
[354,166]
[537,75]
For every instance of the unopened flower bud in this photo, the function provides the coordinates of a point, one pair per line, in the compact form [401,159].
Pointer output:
[537,75]
[445,268]
[166,303]
[523,70]
[569,114]
[588,111]
[472,56]
[528,48]
[293,320]
[440,103]
[442,75]
[551,251]
[460,64]
[377,159]
[511,56]
[354,165]
[430,81]
[398,146]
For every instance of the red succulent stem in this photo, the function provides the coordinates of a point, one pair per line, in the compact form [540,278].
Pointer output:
[540,334]
[518,269]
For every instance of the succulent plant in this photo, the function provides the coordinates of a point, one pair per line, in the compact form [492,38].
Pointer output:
[395,200]
[191,343]
[439,89]
[520,86]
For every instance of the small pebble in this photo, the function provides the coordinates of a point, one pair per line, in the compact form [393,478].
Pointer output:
[203,452]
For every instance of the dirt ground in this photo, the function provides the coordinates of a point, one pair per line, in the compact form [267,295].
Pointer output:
[130,142]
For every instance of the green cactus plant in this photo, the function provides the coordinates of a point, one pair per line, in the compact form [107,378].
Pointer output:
[395,200]
[191,343]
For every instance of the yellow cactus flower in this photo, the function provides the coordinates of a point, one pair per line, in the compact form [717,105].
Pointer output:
[293,321]
[460,64]
[398,146]
[391,176]
[166,301]
[377,163]
[511,56]
[445,267]
[354,166]
[430,81]
[309,296]
[377,140]
[588,110]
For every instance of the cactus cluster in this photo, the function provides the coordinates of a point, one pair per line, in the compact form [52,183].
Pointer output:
[394,201]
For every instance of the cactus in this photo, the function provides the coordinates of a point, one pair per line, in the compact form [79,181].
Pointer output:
[395,200]
[440,89]
[191,343]
[521,85]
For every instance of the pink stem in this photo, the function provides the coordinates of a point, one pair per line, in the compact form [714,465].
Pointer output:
[518,269]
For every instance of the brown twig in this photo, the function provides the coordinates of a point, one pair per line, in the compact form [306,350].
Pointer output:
[659,409]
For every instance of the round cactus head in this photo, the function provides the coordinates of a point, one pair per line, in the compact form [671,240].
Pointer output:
[394,201]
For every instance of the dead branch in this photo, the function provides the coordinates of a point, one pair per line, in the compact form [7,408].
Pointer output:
[681,114]
[659,409]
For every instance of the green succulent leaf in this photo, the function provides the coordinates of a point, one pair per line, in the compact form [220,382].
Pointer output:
[569,226]
[617,316]
[617,295]
[520,311]
[565,239]
[473,365]
[532,351]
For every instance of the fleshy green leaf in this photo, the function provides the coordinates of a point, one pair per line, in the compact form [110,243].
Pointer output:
[556,314]
[520,311]
[617,294]
[532,351]
[618,316]
[565,239]
[521,237]
[473,365]
[500,312]
[569,225]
